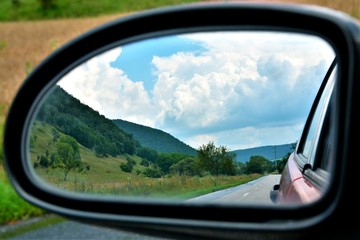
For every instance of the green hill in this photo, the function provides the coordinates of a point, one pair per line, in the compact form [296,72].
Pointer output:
[154,138]
[92,130]
[270,152]
[101,174]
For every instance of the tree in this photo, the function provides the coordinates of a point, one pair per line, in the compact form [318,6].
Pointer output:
[152,172]
[67,155]
[216,160]
[187,167]
[15,3]
[280,164]
[258,164]
[128,166]
[47,4]
[241,168]
[148,154]
[228,164]
[166,160]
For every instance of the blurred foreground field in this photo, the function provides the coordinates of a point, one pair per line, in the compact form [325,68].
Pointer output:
[24,44]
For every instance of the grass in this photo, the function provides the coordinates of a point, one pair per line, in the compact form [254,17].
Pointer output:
[105,177]
[12,207]
[33,10]
[25,44]
[2,126]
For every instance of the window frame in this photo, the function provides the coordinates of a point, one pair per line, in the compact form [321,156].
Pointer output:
[310,165]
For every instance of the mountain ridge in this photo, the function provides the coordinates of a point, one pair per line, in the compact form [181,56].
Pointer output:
[163,142]
[271,152]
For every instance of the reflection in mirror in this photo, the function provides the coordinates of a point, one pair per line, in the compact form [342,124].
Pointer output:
[180,117]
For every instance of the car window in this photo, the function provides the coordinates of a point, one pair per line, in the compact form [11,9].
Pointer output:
[312,134]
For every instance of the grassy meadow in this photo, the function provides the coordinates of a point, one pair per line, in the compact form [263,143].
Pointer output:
[25,10]
[104,175]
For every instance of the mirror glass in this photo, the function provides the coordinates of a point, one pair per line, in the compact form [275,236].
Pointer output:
[209,116]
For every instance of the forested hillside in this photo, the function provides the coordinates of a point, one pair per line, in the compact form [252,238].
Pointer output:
[87,126]
[154,138]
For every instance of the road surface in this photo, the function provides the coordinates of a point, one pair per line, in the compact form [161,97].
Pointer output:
[254,192]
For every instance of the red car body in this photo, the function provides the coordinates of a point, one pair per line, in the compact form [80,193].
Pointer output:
[295,188]
[308,169]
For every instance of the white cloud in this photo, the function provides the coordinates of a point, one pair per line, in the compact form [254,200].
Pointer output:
[249,137]
[108,90]
[243,89]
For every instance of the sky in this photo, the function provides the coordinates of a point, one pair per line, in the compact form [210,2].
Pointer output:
[237,89]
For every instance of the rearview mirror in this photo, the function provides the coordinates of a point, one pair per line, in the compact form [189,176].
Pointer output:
[180,117]
[115,126]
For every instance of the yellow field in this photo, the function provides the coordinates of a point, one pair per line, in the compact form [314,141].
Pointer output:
[23,45]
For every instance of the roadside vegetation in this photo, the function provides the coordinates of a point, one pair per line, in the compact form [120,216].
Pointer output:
[20,10]
[12,207]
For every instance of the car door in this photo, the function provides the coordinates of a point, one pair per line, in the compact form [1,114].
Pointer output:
[306,174]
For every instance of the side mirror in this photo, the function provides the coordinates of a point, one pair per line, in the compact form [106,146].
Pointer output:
[274,193]
[59,127]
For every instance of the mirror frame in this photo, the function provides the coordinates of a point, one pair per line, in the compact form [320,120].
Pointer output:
[337,29]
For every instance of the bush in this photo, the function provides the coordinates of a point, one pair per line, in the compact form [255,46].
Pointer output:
[144,163]
[44,161]
[47,4]
[126,168]
[152,173]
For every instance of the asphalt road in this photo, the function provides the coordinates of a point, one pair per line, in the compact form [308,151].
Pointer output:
[70,230]
[253,192]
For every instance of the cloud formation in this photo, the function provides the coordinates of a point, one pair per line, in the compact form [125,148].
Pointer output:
[241,90]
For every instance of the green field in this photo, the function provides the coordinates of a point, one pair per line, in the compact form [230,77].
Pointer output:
[104,175]
[12,207]
[51,9]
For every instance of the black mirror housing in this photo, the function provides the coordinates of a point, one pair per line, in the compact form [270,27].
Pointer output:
[190,219]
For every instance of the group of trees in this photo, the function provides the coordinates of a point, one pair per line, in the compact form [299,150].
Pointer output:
[66,157]
[210,160]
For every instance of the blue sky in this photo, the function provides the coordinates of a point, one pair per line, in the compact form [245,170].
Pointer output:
[238,89]
[135,55]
